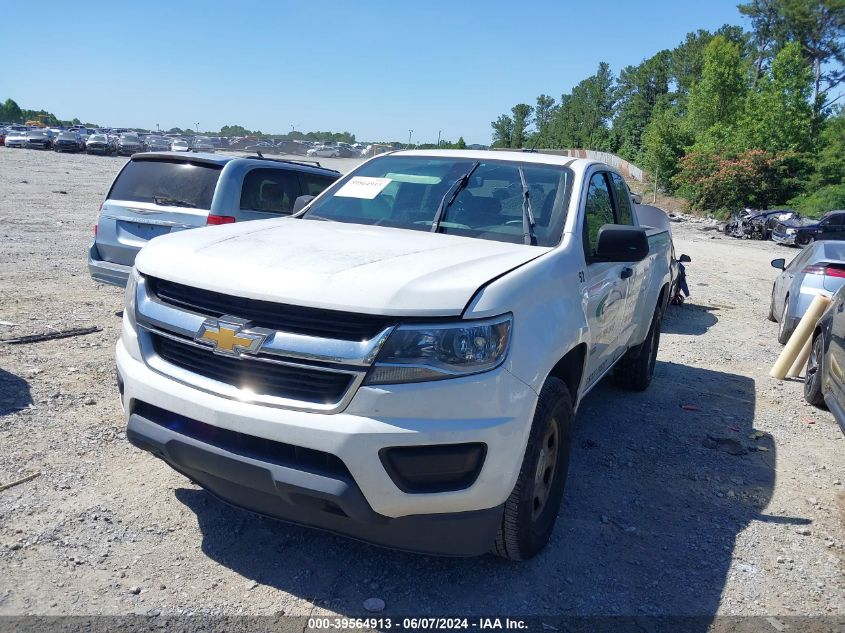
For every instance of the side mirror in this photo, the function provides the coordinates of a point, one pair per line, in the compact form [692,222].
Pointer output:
[779,263]
[685,259]
[637,198]
[301,202]
[621,243]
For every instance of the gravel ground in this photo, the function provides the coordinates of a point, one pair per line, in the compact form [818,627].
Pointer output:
[653,522]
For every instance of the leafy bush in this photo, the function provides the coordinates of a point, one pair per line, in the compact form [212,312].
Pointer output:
[819,202]
[753,178]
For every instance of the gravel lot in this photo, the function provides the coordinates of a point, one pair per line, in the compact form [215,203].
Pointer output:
[653,522]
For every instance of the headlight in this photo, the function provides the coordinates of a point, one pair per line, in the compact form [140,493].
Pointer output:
[415,353]
[791,231]
[130,296]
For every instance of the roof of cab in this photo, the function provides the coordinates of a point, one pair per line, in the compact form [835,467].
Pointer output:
[222,159]
[521,157]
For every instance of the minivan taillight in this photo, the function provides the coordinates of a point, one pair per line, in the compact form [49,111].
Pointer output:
[219,219]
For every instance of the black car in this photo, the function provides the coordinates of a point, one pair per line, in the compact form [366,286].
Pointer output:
[68,142]
[831,226]
[38,139]
[825,380]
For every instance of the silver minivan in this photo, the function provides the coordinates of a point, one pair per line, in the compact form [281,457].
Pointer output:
[160,192]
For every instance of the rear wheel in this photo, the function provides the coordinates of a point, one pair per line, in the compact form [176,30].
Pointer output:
[531,509]
[635,369]
[785,330]
[813,380]
[772,316]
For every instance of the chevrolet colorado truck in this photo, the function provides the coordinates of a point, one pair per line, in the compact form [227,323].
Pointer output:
[401,360]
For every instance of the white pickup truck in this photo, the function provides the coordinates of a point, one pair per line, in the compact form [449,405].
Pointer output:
[401,361]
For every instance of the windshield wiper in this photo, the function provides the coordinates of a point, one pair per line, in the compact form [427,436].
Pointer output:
[167,201]
[450,195]
[527,213]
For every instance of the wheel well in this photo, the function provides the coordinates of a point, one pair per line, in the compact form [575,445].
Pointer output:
[570,368]
[662,298]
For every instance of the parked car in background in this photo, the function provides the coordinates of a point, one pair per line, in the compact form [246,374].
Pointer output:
[292,147]
[38,139]
[154,195]
[157,144]
[68,141]
[818,270]
[831,226]
[324,150]
[129,144]
[100,144]
[15,138]
[345,150]
[180,145]
[824,382]
[202,144]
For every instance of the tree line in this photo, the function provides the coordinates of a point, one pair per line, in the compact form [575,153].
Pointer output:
[726,119]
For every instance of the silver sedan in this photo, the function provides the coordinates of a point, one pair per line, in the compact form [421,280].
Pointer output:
[818,270]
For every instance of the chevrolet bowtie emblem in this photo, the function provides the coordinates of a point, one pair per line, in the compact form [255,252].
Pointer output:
[230,336]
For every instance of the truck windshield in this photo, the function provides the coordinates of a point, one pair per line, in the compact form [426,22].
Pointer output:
[407,191]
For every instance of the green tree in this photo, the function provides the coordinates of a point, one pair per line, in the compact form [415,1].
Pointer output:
[830,159]
[544,113]
[779,115]
[582,119]
[502,131]
[664,141]
[637,92]
[718,97]
[10,111]
[461,144]
[521,113]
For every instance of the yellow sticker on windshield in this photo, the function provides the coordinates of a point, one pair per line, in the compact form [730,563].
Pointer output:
[364,187]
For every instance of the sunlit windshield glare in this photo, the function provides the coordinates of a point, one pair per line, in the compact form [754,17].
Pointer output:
[406,191]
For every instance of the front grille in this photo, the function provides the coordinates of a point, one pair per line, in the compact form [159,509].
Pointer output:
[274,316]
[264,450]
[262,378]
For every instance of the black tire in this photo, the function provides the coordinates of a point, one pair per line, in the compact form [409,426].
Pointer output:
[813,380]
[785,330]
[772,316]
[531,509]
[804,240]
[636,368]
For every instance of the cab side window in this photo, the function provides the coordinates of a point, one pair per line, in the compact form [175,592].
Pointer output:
[623,200]
[598,211]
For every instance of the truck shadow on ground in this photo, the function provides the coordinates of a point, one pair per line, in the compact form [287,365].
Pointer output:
[690,319]
[14,393]
[647,526]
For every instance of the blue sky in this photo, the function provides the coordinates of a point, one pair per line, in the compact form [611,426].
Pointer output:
[374,68]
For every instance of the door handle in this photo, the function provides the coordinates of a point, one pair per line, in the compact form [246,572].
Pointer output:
[626,272]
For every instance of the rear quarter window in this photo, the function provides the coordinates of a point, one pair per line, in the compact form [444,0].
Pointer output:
[169,183]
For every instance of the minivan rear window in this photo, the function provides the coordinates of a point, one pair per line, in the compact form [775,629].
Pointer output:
[167,183]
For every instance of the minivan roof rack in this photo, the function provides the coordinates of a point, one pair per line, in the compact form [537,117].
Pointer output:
[305,163]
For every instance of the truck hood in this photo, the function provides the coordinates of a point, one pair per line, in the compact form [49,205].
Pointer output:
[333,265]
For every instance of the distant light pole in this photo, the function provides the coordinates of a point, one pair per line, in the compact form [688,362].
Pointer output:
[198,127]
[410,132]
[438,138]
[291,128]
[158,129]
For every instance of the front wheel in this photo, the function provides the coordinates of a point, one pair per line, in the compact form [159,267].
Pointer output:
[531,509]
[805,240]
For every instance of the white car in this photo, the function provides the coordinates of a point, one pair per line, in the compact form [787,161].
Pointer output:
[324,150]
[407,372]
[180,145]
[15,138]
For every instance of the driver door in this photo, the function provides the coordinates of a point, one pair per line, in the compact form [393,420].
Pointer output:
[605,287]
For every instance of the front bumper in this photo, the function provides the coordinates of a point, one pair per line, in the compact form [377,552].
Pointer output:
[787,239]
[106,272]
[327,501]
[495,409]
